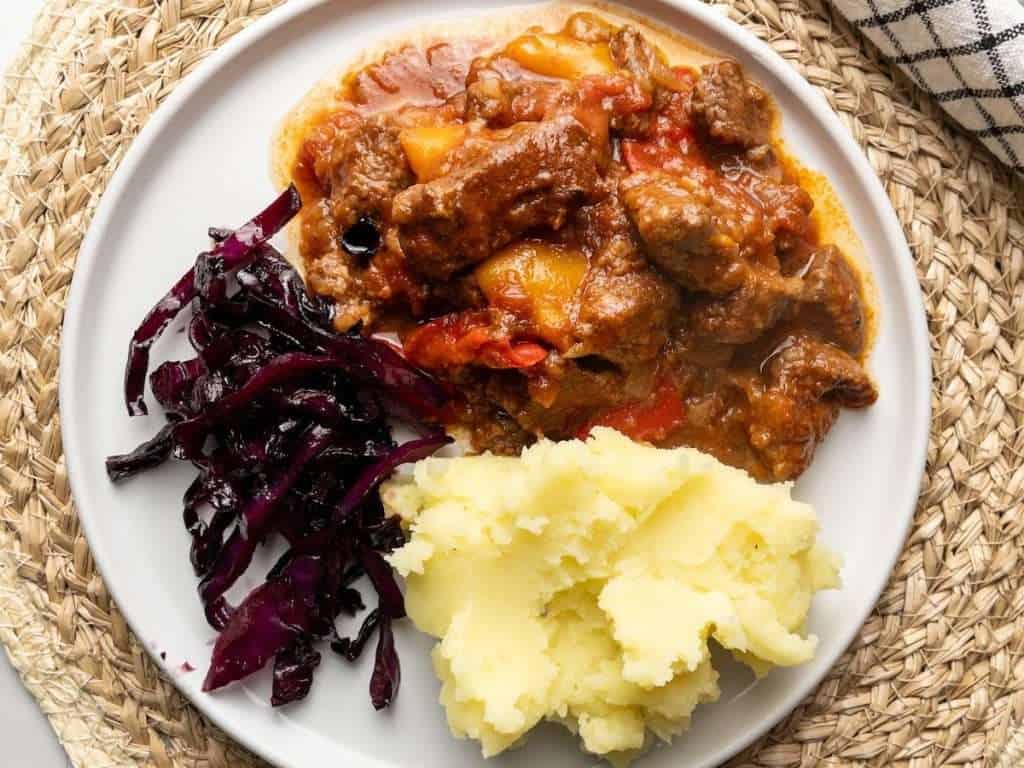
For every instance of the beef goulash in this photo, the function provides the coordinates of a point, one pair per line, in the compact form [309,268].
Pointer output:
[574,232]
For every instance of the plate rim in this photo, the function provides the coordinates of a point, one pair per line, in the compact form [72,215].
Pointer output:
[75,320]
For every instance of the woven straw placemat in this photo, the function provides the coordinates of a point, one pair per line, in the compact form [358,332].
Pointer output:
[936,676]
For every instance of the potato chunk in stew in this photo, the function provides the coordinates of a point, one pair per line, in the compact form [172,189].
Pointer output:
[538,281]
[427,147]
[561,56]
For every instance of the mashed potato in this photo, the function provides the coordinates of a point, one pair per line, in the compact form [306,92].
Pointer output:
[581,583]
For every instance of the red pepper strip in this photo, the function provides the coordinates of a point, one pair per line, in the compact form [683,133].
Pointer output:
[469,338]
[649,421]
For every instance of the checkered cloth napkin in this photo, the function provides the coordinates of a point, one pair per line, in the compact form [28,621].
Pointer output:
[968,53]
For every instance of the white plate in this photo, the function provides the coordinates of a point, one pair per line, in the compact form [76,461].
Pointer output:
[202,160]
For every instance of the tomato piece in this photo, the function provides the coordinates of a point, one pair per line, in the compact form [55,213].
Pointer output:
[671,146]
[669,128]
[660,155]
[649,155]
[523,354]
[616,94]
[650,420]
[469,338]
[605,96]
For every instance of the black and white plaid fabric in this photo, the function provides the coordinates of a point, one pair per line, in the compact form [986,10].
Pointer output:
[968,53]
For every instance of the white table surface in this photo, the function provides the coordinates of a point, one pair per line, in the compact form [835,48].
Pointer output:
[26,736]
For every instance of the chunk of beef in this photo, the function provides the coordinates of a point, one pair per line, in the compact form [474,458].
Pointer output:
[360,165]
[795,403]
[635,53]
[716,417]
[760,174]
[495,431]
[503,103]
[530,177]
[746,313]
[558,401]
[606,234]
[624,318]
[489,427]
[731,108]
[809,369]
[631,51]
[684,232]
[829,283]
[787,207]
[707,232]
[624,309]
[461,292]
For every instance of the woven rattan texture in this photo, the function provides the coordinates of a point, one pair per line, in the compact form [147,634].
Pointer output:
[936,676]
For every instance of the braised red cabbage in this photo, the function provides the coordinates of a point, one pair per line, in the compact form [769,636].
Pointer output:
[231,253]
[272,617]
[387,672]
[293,671]
[288,423]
